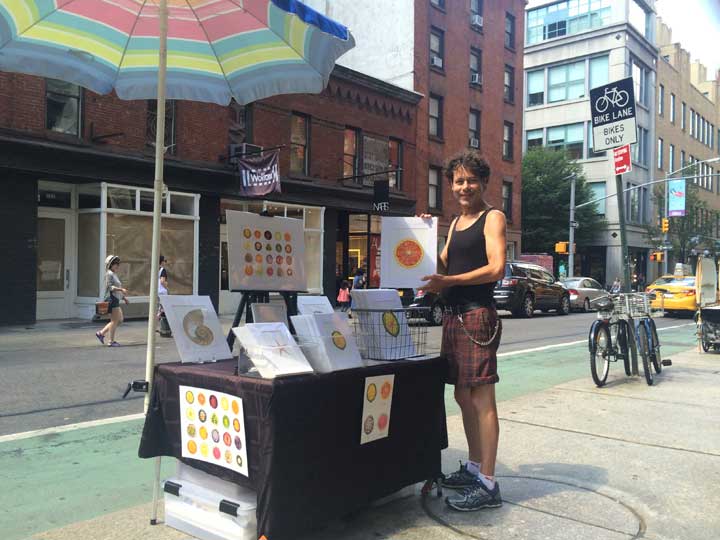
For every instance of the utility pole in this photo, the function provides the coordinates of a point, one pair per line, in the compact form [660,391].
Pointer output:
[666,236]
[571,251]
[623,237]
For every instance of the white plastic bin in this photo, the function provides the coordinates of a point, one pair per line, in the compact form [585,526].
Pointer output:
[207,514]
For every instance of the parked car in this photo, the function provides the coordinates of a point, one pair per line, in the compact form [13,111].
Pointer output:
[429,300]
[527,287]
[583,291]
[674,293]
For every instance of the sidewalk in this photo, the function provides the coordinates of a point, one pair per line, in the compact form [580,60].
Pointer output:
[575,462]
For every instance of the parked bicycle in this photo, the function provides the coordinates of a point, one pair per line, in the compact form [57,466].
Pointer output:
[624,325]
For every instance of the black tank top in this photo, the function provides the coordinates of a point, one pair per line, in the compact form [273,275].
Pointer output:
[467,252]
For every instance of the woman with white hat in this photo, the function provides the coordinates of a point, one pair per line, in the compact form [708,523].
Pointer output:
[114,292]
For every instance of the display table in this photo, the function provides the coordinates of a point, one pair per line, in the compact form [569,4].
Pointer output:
[303,437]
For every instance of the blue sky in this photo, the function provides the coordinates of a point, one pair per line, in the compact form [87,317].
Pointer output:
[696,25]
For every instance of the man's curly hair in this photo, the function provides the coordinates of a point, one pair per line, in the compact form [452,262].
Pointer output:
[472,162]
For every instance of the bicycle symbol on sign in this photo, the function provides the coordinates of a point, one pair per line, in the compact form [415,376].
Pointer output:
[611,96]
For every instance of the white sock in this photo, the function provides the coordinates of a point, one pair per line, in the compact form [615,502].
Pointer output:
[473,467]
[488,481]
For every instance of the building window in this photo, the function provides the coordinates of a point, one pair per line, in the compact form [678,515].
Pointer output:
[507,200]
[660,153]
[350,153]
[566,82]
[508,129]
[438,3]
[396,160]
[640,151]
[641,20]
[509,84]
[475,66]
[682,159]
[641,79]
[299,143]
[476,7]
[62,107]
[151,124]
[683,115]
[568,138]
[534,138]
[671,158]
[437,47]
[599,71]
[435,127]
[672,108]
[434,188]
[536,87]
[599,193]
[567,18]
[474,129]
[692,122]
[591,151]
[661,100]
[509,31]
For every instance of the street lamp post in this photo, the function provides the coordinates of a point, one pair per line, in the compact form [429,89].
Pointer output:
[571,235]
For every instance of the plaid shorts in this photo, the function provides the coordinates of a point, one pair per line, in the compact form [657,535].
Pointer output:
[470,364]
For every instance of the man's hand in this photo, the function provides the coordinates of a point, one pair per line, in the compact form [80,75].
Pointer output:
[435,283]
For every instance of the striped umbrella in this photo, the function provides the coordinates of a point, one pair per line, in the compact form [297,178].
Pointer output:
[201,50]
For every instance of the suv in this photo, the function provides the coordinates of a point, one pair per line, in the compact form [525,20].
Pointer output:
[527,287]
[422,299]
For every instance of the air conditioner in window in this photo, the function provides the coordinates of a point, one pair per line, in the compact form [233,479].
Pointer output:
[474,143]
[475,78]
[240,150]
[436,61]
[476,21]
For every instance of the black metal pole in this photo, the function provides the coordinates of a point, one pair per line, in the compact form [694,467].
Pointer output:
[623,236]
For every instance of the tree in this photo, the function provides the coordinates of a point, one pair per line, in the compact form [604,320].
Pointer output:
[546,201]
[688,231]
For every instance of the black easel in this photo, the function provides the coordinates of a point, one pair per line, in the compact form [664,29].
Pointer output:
[249,298]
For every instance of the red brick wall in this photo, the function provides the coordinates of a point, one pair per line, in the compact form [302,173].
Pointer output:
[459,96]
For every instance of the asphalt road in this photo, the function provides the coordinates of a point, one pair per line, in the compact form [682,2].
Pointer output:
[57,374]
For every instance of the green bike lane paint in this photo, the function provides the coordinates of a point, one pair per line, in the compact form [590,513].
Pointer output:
[55,479]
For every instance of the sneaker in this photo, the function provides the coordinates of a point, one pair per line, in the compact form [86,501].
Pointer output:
[475,498]
[100,337]
[114,344]
[460,479]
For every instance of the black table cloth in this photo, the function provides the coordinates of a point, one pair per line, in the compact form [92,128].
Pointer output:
[303,437]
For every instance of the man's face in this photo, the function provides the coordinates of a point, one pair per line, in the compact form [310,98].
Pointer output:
[467,189]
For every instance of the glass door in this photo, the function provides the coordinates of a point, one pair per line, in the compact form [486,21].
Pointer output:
[54,265]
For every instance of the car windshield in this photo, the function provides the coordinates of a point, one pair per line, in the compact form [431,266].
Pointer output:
[672,280]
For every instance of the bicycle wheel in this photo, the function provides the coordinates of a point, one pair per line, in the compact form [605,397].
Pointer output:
[644,351]
[600,354]
[655,353]
[623,347]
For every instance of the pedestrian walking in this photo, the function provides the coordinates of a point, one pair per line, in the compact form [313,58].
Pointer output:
[472,260]
[616,287]
[165,330]
[343,296]
[114,293]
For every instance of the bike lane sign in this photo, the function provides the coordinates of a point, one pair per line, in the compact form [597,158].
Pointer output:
[613,115]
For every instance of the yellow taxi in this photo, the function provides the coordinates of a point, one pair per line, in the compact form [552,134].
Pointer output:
[674,293]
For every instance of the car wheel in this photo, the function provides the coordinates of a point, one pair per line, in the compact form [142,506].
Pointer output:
[435,317]
[564,308]
[586,305]
[528,306]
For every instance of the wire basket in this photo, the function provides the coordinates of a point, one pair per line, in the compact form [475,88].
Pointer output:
[385,334]
[635,305]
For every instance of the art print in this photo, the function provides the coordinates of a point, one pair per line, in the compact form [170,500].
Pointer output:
[408,251]
[272,349]
[377,404]
[310,305]
[334,346]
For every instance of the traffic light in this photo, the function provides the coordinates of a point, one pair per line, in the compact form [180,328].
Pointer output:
[665,227]
[656,256]
[561,247]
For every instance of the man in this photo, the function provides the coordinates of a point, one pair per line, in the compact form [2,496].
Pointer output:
[163,289]
[473,260]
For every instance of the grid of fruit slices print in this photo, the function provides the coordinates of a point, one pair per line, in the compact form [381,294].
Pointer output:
[370,395]
[210,414]
[267,253]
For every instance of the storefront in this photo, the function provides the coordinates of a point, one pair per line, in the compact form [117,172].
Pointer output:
[79,225]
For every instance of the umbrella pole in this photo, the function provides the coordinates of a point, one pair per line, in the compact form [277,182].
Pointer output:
[157,205]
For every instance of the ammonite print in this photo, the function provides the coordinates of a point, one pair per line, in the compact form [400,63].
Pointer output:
[369,424]
[195,329]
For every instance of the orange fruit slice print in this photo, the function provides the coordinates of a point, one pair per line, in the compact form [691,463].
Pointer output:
[385,390]
[371,392]
[408,253]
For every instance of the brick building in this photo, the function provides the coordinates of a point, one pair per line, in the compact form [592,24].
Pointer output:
[77,170]
[466,58]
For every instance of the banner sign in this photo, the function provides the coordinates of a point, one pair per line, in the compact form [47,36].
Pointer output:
[381,196]
[676,197]
[613,114]
[259,174]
